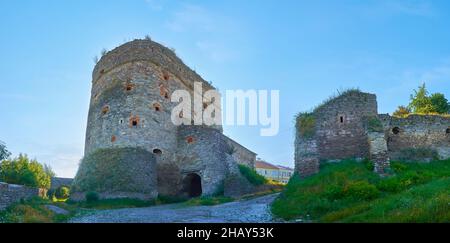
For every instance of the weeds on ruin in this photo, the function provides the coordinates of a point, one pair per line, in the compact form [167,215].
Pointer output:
[251,175]
[306,124]
[351,192]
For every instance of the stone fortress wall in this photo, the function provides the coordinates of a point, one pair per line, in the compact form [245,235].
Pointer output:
[429,132]
[131,107]
[10,193]
[349,126]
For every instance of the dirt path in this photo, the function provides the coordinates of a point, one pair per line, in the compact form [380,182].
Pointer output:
[254,210]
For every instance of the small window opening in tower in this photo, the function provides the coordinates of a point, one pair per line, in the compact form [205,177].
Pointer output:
[341,119]
[166,75]
[105,109]
[157,107]
[205,105]
[396,130]
[129,86]
[134,121]
[180,115]
[157,151]
[121,121]
[447,131]
[102,71]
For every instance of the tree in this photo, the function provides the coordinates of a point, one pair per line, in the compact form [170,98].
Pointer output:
[4,153]
[420,102]
[23,171]
[402,111]
[440,103]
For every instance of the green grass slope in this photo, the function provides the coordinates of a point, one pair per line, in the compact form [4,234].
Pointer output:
[350,192]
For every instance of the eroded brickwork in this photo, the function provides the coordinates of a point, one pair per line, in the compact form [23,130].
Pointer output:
[349,126]
[131,107]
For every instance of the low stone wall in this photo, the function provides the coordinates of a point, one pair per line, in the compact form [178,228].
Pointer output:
[10,193]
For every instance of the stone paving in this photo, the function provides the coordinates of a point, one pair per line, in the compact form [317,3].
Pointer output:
[246,211]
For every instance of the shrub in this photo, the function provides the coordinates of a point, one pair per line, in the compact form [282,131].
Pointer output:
[334,192]
[398,167]
[91,197]
[390,185]
[24,171]
[62,192]
[369,164]
[251,175]
[374,124]
[4,153]
[361,190]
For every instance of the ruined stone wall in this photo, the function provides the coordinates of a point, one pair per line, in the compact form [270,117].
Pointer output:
[10,193]
[241,154]
[306,156]
[340,132]
[336,131]
[417,132]
[203,151]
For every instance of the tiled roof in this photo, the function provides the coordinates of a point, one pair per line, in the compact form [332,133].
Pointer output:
[264,165]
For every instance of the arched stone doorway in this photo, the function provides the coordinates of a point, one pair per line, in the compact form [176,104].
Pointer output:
[192,185]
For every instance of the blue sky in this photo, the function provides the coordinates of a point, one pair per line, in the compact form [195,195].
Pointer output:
[305,49]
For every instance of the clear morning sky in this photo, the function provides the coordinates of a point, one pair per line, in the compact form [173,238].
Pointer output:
[305,49]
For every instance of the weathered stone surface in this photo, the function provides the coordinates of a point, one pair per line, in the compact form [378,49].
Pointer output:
[10,193]
[378,151]
[417,132]
[349,126]
[115,173]
[131,108]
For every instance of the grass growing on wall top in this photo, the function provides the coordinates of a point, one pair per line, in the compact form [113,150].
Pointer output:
[306,124]
[351,192]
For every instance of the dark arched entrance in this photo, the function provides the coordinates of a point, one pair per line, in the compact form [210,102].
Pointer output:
[192,185]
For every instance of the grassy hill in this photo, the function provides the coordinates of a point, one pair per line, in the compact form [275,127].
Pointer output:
[350,192]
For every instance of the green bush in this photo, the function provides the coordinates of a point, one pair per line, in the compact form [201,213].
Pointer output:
[91,197]
[369,164]
[398,167]
[390,185]
[251,175]
[334,192]
[350,192]
[62,192]
[23,171]
[361,190]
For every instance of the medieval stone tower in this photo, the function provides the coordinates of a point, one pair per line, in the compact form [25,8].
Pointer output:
[131,108]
